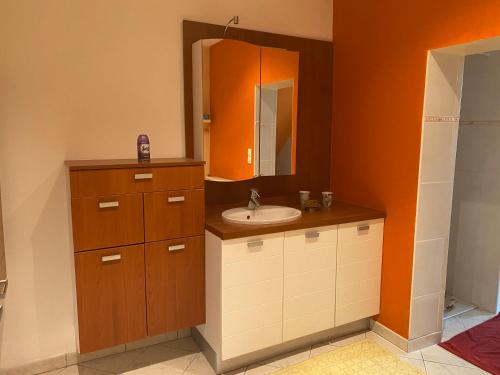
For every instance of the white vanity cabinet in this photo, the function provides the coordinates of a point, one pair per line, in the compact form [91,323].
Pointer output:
[309,281]
[270,289]
[244,293]
[359,262]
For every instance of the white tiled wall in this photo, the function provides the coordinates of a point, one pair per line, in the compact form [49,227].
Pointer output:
[473,267]
[435,192]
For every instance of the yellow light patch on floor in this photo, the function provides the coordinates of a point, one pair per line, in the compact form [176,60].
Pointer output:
[362,358]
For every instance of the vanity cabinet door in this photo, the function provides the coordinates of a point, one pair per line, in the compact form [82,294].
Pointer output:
[175,284]
[309,281]
[100,222]
[252,294]
[174,214]
[359,262]
[110,288]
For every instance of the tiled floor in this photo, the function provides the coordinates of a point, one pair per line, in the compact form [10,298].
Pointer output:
[183,356]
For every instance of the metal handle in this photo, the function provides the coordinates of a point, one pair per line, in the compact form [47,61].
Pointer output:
[312,234]
[111,258]
[3,287]
[176,199]
[256,243]
[363,227]
[108,204]
[143,176]
[176,247]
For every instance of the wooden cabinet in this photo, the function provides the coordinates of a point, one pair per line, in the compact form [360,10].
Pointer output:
[174,214]
[114,220]
[110,293]
[118,209]
[175,284]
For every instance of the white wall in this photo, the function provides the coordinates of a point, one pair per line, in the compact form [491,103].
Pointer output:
[474,258]
[435,190]
[81,79]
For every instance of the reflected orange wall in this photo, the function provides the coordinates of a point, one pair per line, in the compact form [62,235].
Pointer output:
[280,65]
[234,73]
[379,76]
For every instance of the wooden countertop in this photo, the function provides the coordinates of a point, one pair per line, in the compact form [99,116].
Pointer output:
[78,165]
[339,213]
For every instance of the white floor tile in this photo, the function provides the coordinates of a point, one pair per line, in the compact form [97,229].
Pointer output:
[187,344]
[76,370]
[443,369]
[158,369]
[199,366]
[437,354]
[473,318]
[116,364]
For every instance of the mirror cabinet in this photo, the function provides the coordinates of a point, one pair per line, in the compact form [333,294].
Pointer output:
[245,100]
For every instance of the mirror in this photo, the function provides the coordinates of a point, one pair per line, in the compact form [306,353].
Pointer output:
[245,100]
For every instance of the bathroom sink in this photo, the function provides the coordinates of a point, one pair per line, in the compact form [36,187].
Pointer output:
[261,215]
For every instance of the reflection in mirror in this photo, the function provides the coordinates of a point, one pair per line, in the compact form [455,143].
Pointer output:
[244,109]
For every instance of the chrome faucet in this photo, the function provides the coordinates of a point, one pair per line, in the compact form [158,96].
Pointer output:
[253,202]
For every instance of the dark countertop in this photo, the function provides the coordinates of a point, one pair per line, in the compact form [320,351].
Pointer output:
[78,165]
[339,213]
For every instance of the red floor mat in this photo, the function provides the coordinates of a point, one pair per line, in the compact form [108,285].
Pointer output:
[479,345]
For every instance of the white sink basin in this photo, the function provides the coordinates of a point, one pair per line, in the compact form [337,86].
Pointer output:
[261,215]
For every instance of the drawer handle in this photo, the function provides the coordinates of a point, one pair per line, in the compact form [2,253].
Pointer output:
[312,234]
[108,204]
[363,227]
[111,258]
[176,199]
[256,243]
[3,287]
[176,247]
[143,176]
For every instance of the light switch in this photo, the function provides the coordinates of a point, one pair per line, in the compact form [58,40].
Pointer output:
[249,156]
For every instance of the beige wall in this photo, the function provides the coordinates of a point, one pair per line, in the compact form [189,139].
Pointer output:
[80,79]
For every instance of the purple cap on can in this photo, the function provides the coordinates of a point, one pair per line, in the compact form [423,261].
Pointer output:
[143,149]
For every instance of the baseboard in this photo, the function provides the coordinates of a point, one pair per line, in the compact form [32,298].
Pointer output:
[408,345]
[425,341]
[70,359]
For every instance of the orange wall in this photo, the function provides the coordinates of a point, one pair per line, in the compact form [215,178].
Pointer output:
[234,73]
[379,76]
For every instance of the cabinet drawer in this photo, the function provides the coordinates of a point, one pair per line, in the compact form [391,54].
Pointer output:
[252,248]
[251,261]
[174,214]
[312,238]
[361,231]
[175,284]
[89,183]
[111,300]
[100,222]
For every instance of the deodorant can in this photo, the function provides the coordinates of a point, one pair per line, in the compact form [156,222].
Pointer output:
[143,150]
